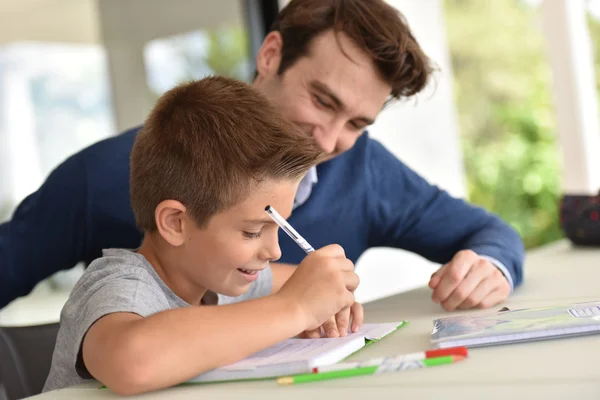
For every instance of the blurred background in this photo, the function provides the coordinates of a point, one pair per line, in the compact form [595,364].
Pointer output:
[73,72]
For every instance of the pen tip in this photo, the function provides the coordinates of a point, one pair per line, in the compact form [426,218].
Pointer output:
[458,358]
[267,208]
[286,380]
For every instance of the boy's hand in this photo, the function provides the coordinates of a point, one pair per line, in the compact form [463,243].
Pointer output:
[468,281]
[321,286]
[337,326]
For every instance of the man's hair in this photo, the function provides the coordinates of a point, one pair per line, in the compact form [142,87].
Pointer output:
[377,28]
[206,144]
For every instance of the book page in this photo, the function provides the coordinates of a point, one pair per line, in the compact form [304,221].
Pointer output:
[298,350]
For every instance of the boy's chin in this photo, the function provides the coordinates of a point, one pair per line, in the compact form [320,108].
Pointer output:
[234,291]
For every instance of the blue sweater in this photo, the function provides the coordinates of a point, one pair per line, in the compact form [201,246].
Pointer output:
[364,198]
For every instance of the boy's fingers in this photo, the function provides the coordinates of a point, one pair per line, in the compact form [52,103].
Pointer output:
[330,328]
[352,281]
[342,320]
[357,316]
[313,334]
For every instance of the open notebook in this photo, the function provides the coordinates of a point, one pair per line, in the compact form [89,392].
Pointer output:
[297,356]
[517,325]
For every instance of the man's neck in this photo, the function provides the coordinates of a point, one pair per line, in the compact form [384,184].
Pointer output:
[162,259]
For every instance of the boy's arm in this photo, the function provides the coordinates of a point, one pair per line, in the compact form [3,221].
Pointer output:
[131,354]
[281,273]
[335,326]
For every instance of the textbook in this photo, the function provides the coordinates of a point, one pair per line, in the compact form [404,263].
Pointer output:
[515,326]
[298,356]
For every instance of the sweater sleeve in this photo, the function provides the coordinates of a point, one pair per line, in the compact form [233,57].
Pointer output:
[46,233]
[408,213]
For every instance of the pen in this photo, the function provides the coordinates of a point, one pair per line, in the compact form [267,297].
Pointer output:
[287,228]
[418,356]
[385,367]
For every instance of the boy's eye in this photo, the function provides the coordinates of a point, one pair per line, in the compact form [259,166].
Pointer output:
[252,235]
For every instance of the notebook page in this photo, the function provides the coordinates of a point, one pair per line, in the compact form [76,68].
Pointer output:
[298,350]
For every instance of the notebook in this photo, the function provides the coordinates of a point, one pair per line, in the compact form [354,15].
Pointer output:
[514,326]
[297,356]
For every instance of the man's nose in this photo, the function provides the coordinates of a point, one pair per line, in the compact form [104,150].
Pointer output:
[327,138]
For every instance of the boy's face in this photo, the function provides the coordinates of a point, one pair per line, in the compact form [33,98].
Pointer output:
[332,94]
[226,255]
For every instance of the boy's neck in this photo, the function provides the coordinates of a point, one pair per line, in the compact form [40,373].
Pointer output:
[160,256]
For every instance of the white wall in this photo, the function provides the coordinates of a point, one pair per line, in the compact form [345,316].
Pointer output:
[424,134]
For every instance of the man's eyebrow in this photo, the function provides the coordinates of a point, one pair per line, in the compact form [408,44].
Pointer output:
[326,90]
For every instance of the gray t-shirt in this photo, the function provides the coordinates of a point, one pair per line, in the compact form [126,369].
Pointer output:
[120,281]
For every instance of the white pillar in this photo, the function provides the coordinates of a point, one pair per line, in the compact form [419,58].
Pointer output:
[130,95]
[20,144]
[570,51]
[424,135]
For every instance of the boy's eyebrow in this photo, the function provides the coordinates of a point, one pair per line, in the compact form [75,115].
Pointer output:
[259,221]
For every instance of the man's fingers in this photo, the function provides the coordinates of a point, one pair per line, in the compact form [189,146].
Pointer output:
[330,328]
[358,316]
[497,296]
[453,275]
[493,282]
[342,320]
[463,291]
[436,277]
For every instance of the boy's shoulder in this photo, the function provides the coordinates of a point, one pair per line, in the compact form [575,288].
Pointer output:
[123,276]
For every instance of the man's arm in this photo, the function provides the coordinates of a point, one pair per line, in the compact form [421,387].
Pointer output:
[46,233]
[411,214]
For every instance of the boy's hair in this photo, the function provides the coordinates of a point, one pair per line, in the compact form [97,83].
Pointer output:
[206,144]
[377,28]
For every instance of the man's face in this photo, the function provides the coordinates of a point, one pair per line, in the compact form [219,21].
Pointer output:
[330,95]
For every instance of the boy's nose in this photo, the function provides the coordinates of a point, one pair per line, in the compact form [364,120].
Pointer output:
[271,253]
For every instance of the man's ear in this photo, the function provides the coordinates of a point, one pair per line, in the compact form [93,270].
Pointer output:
[171,219]
[269,55]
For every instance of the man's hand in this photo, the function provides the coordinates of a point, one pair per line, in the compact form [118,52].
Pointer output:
[468,281]
[337,326]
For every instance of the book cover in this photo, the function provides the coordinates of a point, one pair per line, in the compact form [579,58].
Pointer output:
[513,326]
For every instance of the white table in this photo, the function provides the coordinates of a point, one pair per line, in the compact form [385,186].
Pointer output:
[555,369]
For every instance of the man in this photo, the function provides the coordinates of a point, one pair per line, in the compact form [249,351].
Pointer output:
[329,66]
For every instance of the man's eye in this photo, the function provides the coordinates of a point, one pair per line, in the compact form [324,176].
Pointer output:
[252,235]
[322,103]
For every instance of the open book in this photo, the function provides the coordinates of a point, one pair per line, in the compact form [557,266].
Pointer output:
[517,325]
[297,356]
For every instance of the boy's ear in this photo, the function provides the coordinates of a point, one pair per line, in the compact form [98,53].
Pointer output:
[269,55]
[170,216]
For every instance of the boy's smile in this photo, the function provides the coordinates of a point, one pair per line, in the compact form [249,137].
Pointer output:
[227,254]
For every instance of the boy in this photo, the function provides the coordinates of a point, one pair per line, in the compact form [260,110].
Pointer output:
[211,156]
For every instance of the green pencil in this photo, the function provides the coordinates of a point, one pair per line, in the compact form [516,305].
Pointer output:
[370,370]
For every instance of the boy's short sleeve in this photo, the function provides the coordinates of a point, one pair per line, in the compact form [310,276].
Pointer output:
[130,290]
[127,293]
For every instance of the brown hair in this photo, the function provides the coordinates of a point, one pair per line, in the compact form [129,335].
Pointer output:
[376,27]
[206,143]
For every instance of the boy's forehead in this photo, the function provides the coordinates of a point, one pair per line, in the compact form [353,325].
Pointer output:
[279,195]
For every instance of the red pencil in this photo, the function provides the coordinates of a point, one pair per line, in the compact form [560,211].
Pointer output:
[422,355]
